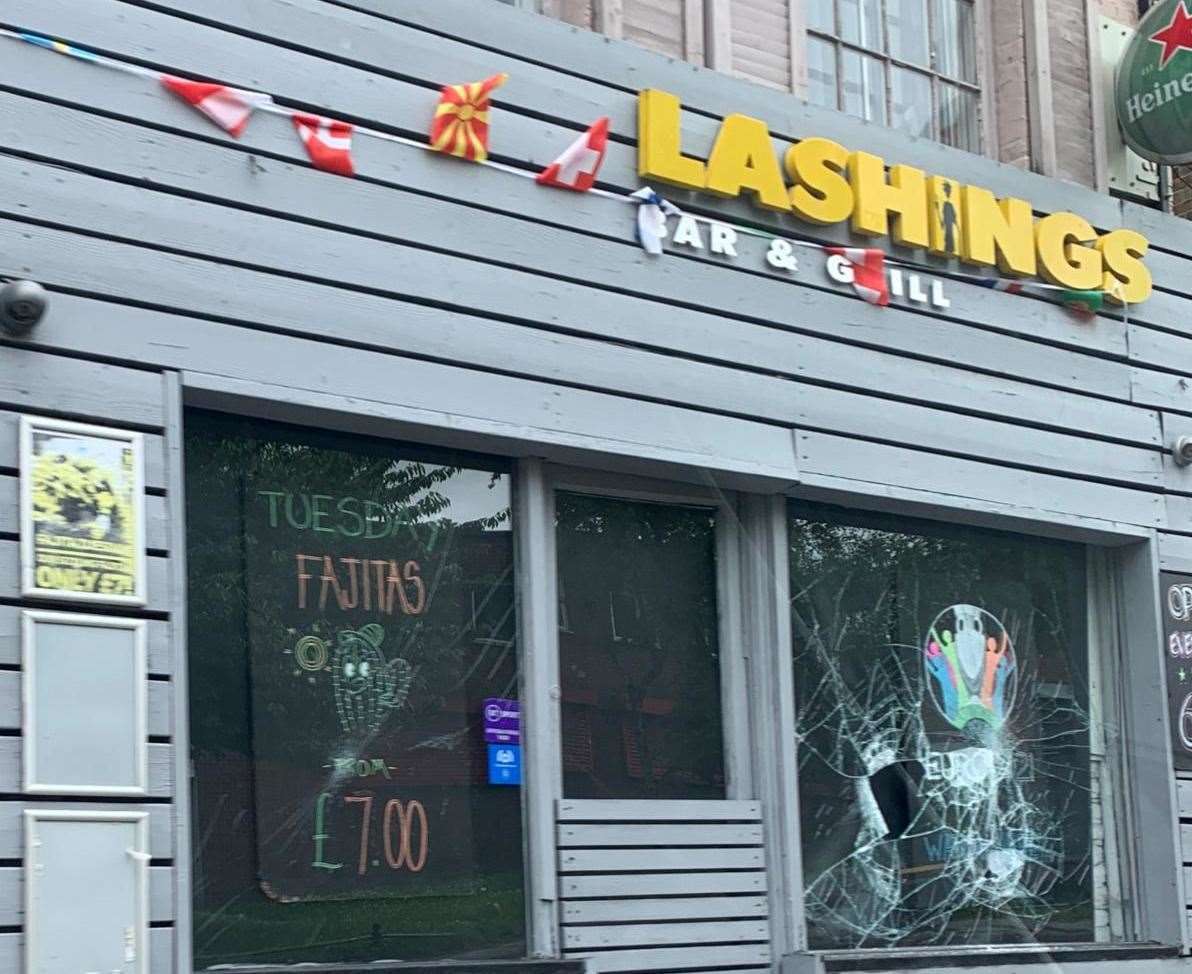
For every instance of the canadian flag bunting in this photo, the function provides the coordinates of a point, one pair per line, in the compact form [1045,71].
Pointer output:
[576,168]
[869,272]
[328,143]
[229,108]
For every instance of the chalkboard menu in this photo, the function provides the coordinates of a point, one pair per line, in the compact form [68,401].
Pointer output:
[1177,650]
[351,613]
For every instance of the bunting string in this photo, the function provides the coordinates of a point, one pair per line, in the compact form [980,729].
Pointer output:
[460,127]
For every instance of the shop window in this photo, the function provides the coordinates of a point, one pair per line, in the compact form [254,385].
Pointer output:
[351,608]
[958,780]
[639,655]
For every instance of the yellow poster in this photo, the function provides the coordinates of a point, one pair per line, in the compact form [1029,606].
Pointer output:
[82,526]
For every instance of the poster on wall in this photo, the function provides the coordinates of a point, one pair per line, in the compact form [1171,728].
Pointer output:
[1177,651]
[82,512]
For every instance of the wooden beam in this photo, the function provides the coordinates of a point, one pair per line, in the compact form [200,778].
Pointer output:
[1096,98]
[718,35]
[1040,102]
[798,47]
[608,17]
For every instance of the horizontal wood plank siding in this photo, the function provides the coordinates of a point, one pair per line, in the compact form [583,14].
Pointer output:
[466,306]
[643,884]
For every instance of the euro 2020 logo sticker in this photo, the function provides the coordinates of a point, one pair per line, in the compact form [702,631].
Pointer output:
[971,668]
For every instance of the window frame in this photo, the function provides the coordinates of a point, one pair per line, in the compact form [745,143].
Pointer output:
[1152,868]
[931,71]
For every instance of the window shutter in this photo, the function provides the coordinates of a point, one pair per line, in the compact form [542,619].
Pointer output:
[673,27]
[577,12]
[761,41]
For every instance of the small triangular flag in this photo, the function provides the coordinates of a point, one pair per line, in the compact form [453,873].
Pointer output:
[229,108]
[328,143]
[576,168]
[1086,302]
[869,272]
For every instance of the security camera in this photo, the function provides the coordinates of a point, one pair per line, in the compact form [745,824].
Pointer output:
[22,305]
[1181,452]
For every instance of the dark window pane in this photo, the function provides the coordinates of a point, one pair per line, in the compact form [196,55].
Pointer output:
[959,118]
[820,15]
[906,22]
[910,94]
[864,89]
[955,40]
[860,23]
[351,609]
[944,715]
[821,72]
[638,650]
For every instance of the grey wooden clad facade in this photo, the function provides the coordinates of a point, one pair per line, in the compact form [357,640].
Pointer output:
[464,306]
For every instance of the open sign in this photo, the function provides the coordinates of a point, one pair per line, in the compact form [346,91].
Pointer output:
[1179,602]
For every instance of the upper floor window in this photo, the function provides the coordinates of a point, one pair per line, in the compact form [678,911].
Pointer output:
[908,64]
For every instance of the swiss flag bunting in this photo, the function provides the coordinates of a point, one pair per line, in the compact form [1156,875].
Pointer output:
[229,108]
[869,272]
[328,143]
[576,168]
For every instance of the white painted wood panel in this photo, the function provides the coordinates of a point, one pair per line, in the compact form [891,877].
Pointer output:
[761,32]
[156,573]
[588,57]
[650,860]
[154,449]
[12,891]
[603,810]
[159,696]
[160,768]
[157,637]
[665,958]
[661,884]
[12,826]
[161,951]
[636,910]
[579,836]
[275,302]
[377,209]
[660,934]
[93,391]
[156,514]
[824,459]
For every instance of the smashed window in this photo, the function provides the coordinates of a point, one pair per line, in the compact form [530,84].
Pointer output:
[952,753]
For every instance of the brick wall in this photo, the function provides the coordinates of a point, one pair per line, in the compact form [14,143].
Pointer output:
[1181,195]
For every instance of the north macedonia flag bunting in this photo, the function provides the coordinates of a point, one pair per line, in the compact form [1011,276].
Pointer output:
[460,126]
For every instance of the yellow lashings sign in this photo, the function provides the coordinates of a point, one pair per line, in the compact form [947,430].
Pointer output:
[822,182]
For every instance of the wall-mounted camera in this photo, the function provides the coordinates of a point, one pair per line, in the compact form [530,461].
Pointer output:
[22,305]
[1181,451]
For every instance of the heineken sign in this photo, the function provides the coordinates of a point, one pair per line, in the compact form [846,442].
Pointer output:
[1154,85]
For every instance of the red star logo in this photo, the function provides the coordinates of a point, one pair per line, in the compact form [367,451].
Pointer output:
[1176,36]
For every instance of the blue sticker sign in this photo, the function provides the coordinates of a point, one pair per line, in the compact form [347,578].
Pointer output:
[504,764]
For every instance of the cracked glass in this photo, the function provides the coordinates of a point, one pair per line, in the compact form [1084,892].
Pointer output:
[952,757]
